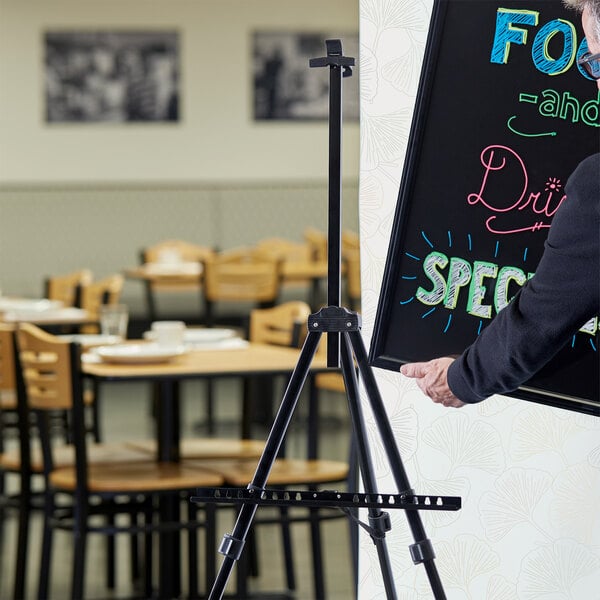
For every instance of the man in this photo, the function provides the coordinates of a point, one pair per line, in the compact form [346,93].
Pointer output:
[553,305]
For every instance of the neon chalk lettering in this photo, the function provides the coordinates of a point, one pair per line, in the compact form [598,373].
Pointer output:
[501,166]
[449,276]
[511,29]
[472,277]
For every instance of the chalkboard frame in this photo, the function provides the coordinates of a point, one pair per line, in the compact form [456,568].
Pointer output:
[377,356]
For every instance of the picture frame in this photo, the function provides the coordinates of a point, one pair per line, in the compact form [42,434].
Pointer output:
[111,76]
[285,88]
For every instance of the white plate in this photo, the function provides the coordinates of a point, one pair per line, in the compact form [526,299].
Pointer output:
[199,336]
[26,304]
[209,335]
[137,353]
[92,339]
[233,343]
[46,315]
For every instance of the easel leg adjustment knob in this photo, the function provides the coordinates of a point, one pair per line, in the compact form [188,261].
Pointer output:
[380,524]
[422,551]
[231,547]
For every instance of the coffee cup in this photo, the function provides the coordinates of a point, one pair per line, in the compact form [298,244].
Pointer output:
[168,334]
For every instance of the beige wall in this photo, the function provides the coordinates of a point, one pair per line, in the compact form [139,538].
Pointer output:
[215,177]
[216,138]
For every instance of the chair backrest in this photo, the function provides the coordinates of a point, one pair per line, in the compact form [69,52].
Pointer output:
[177,250]
[317,240]
[350,240]
[284,250]
[8,383]
[7,359]
[65,287]
[241,275]
[49,379]
[45,361]
[93,295]
[282,325]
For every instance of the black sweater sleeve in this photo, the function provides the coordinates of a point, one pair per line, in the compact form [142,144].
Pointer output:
[556,302]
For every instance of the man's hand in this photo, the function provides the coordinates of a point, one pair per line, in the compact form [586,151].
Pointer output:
[432,379]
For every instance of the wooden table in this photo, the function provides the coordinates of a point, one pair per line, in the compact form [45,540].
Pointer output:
[254,359]
[247,360]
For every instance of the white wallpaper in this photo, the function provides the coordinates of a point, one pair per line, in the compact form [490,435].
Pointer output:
[528,475]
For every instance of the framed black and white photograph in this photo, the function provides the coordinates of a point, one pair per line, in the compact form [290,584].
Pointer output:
[111,76]
[286,88]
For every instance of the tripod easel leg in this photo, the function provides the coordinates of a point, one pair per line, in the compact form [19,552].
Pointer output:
[422,550]
[233,543]
[378,520]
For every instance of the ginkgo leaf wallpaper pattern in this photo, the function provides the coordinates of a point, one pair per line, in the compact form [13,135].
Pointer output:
[528,475]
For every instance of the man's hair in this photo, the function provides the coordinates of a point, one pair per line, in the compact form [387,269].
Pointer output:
[593,6]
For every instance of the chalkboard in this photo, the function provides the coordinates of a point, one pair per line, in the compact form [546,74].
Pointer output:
[499,85]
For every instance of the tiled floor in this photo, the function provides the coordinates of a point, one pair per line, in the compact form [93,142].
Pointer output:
[126,414]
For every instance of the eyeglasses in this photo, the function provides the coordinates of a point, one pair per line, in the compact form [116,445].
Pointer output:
[591,64]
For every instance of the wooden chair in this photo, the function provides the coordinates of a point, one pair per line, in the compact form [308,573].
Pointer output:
[285,325]
[8,398]
[282,325]
[52,380]
[65,287]
[350,260]
[294,258]
[173,251]
[334,382]
[24,463]
[317,240]
[8,405]
[18,500]
[240,276]
[350,240]
[284,250]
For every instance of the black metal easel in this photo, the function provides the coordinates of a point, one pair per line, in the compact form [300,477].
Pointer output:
[344,340]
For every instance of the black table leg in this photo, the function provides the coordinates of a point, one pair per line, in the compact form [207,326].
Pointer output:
[168,451]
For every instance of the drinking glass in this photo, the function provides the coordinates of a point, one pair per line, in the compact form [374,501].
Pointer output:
[114,319]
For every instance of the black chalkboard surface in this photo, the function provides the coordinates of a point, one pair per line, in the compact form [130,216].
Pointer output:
[503,116]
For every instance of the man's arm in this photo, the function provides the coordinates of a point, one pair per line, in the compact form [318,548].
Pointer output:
[545,314]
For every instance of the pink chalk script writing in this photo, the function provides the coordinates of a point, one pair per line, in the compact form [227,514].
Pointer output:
[504,189]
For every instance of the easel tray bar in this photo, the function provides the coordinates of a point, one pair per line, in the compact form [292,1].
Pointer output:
[331,499]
